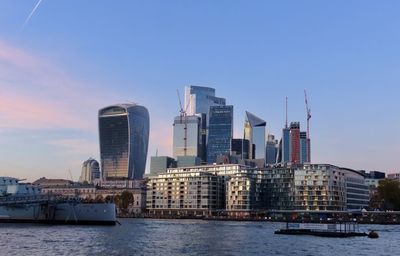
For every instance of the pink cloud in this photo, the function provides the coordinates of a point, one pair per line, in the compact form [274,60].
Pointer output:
[160,138]
[17,57]
[35,93]
[76,146]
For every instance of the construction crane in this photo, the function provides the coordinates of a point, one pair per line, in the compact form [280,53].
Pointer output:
[308,126]
[183,119]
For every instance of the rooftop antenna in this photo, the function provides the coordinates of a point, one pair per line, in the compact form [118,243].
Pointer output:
[308,126]
[157,152]
[286,123]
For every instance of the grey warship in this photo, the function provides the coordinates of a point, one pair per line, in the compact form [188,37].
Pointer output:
[23,202]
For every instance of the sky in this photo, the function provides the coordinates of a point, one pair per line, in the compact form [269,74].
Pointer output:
[63,62]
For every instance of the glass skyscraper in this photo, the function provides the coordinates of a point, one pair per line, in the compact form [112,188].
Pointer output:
[285,157]
[90,171]
[124,139]
[220,132]
[303,147]
[240,147]
[271,150]
[254,131]
[199,99]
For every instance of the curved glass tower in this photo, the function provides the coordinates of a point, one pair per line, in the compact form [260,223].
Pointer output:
[124,139]
[90,171]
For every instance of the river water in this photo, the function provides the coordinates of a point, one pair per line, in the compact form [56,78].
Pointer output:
[186,237]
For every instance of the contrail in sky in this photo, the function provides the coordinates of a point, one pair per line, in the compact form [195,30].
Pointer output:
[32,12]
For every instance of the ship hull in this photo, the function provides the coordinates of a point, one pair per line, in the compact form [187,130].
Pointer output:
[60,213]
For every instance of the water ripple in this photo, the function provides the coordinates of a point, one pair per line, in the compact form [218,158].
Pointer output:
[186,237]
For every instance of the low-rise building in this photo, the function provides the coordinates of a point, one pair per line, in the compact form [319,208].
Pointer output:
[394,176]
[102,191]
[239,190]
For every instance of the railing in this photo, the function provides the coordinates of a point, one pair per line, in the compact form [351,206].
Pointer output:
[28,199]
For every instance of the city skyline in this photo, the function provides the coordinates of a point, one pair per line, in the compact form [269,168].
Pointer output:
[55,76]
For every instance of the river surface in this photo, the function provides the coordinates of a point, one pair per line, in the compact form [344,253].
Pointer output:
[186,237]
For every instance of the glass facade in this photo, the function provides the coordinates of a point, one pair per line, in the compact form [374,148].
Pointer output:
[220,132]
[285,145]
[303,147]
[199,99]
[124,137]
[240,147]
[90,171]
[306,187]
[254,131]
[271,150]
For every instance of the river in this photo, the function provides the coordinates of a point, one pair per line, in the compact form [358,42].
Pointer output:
[186,237]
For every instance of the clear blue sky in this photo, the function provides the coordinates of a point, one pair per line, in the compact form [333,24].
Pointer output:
[73,57]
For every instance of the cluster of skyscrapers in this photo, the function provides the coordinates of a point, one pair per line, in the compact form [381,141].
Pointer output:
[203,134]
[211,171]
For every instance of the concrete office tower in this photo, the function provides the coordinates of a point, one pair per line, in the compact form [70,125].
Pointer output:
[303,147]
[124,138]
[271,150]
[295,142]
[254,131]
[90,171]
[187,136]
[220,132]
[159,164]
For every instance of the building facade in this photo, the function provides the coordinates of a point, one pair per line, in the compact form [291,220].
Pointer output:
[254,132]
[124,138]
[160,164]
[220,132]
[303,148]
[186,137]
[90,171]
[394,176]
[238,190]
[187,192]
[285,145]
[322,187]
[240,148]
[199,99]
[271,150]
[295,142]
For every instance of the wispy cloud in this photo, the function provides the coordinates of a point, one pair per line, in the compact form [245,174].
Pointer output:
[35,93]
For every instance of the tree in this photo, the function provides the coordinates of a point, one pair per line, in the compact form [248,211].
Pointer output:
[389,194]
[124,200]
[99,199]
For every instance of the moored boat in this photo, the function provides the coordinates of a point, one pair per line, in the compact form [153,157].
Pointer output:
[21,202]
[342,230]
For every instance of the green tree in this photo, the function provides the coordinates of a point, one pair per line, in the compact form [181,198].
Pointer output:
[124,200]
[389,194]
[99,199]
